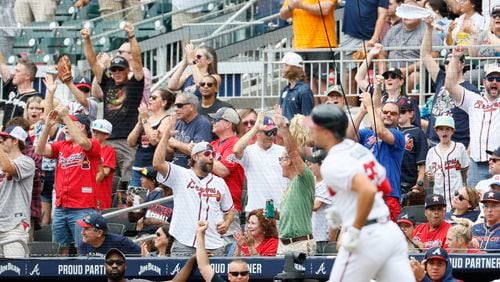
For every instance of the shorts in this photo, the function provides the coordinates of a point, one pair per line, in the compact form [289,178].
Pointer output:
[48,186]
[124,158]
[318,70]
[65,231]
[350,42]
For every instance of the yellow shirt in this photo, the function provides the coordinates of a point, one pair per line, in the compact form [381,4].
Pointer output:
[308,28]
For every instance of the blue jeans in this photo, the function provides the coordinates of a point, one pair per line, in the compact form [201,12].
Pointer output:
[477,171]
[135,180]
[64,228]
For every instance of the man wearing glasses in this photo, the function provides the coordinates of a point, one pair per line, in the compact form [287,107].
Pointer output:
[484,114]
[122,96]
[493,168]
[191,128]
[385,141]
[209,103]
[237,269]
[261,163]
[198,195]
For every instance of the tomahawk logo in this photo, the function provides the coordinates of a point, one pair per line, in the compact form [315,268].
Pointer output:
[321,269]
[36,271]
[437,252]
[176,269]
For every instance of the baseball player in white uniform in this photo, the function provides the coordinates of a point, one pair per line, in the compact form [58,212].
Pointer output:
[372,246]
[198,195]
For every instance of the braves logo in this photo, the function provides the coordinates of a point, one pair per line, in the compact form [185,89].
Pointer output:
[487,107]
[205,191]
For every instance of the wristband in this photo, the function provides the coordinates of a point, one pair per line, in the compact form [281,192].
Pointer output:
[131,36]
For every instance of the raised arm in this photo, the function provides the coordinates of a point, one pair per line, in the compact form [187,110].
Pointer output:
[42,148]
[451,83]
[426,51]
[185,273]
[177,80]
[78,136]
[4,69]
[90,54]
[159,162]
[352,130]
[291,146]
[6,164]
[376,120]
[240,146]
[135,51]
[50,86]
[379,25]
[206,270]
[361,77]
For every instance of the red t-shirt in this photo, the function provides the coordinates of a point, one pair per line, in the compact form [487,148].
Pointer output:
[105,187]
[76,171]
[234,180]
[435,238]
[268,247]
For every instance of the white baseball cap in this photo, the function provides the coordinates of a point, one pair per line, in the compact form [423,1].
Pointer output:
[226,113]
[446,121]
[15,132]
[102,125]
[200,147]
[292,59]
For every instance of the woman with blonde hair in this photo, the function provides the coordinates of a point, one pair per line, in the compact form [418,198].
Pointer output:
[33,113]
[465,204]
[460,238]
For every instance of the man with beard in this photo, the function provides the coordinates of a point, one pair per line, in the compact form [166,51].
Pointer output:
[201,194]
[484,114]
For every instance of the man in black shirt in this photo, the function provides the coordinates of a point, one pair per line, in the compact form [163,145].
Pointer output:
[122,96]
[18,87]
[209,103]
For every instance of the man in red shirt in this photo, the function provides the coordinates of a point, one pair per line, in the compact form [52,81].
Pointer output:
[224,124]
[78,159]
[433,232]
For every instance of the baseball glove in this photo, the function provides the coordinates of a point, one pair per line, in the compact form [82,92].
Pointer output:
[64,69]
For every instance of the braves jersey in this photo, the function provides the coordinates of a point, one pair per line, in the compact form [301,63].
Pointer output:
[484,121]
[446,168]
[342,163]
[196,199]
[434,238]
[105,187]
[76,171]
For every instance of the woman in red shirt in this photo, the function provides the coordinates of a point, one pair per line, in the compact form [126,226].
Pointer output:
[261,238]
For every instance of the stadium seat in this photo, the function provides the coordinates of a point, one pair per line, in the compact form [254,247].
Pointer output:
[418,212]
[88,12]
[121,219]
[44,234]
[64,12]
[24,45]
[116,228]
[44,249]
[330,248]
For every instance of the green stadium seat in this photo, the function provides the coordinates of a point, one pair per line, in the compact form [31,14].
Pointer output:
[88,12]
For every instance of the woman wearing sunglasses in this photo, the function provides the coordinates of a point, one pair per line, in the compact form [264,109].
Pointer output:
[465,204]
[161,242]
[202,61]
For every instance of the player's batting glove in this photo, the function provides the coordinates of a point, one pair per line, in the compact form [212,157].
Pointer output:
[333,217]
[350,239]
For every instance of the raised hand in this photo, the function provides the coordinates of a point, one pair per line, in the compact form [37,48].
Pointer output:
[278,118]
[202,226]
[143,112]
[50,84]
[52,119]
[62,110]
[376,49]
[85,33]
[189,53]
[458,51]
[128,27]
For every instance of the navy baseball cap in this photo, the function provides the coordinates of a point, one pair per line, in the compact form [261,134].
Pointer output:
[436,253]
[82,83]
[491,196]
[268,124]
[496,152]
[406,217]
[119,62]
[94,220]
[148,172]
[434,200]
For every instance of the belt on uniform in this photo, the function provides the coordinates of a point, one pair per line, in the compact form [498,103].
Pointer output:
[287,241]
[382,220]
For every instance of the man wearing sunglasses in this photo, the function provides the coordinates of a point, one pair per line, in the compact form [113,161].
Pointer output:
[443,104]
[493,168]
[262,184]
[198,195]
[209,103]
[122,96]
[237,269]
[484,114]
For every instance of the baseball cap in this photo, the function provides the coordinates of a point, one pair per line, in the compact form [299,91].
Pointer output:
[200,147]
[102,125]
[491,69]
[495,10]
[226,113]
[317,156]
[436,253]
[328,116]
[148,172]
[491,196]
[83,119]
[406,217]
[496,152]
[405,104]
[447,121]
[119,62]
[115,251]
[268,124]
[94,220]
[334,90]
[82,82]
[292,59]
[15,132]
[434,200]
[393,70]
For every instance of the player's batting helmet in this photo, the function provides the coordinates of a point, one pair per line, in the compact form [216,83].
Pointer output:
[332,118]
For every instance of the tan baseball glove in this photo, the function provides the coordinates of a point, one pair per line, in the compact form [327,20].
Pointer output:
[64,69]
